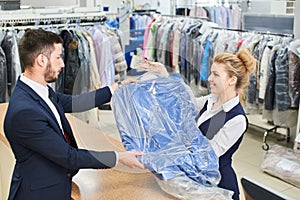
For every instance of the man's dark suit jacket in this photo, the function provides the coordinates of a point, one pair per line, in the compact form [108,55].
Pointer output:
[45,162]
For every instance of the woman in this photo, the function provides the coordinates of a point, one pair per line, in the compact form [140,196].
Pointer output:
[222,118]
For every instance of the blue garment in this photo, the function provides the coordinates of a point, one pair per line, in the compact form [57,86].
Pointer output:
[228,18]
[207,59]
[210,128]
[156,117]
[204,71]
[131,23]
[113,23]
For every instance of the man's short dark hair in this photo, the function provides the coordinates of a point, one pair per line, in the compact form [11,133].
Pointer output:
[36,42]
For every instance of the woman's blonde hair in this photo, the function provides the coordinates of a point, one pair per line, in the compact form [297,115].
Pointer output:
[240,65]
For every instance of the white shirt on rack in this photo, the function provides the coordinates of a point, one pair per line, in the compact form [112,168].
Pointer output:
[43,92]
[232,129]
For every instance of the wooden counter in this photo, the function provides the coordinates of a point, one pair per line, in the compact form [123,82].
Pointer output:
[119,183]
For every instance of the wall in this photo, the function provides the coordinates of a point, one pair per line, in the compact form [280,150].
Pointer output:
[112,4]
[160,5]
[52,3]
[269,7]
[152,4]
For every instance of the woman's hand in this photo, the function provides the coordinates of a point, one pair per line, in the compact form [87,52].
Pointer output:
[155,67]
[119,84]
[127,81]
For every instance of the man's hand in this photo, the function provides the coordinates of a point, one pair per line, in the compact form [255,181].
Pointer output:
[129,159]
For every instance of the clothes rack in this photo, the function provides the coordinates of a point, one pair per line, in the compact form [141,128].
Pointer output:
[216,3]
[257,32]
[224,13]
[256,121]
[84,61]
[143,11]
[192,71]
[48,16]
[180,16]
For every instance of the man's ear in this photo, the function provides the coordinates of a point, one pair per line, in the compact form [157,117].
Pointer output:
[41,60]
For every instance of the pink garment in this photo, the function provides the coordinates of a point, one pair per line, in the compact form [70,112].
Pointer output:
[146,35]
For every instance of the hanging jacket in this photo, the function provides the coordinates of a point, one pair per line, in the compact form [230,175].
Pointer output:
[68,75]
[3,73]
[82,80]
[282,99]
[13,66]
[118,54]
[269,99]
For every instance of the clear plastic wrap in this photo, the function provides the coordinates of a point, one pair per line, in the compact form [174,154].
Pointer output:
[283,163]
[156,117]
[294,73]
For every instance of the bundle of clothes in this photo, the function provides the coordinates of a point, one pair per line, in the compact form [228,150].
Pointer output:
[157,116]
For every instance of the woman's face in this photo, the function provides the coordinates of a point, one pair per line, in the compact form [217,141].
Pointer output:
[219,81]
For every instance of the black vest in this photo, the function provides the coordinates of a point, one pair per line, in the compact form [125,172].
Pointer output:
[211,126]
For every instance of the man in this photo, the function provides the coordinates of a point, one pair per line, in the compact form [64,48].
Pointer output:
[35,125]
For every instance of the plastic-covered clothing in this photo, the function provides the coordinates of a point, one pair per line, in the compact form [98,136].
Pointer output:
[156,117]
[3,73]
[294,73]
[13,66]
[282,99]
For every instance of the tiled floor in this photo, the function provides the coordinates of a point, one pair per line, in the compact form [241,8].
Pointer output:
[246,161]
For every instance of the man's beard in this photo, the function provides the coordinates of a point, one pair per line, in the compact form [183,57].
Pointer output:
[50,75]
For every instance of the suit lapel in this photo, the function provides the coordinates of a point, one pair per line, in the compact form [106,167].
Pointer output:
[40,101]
[65,124]
[36,97]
